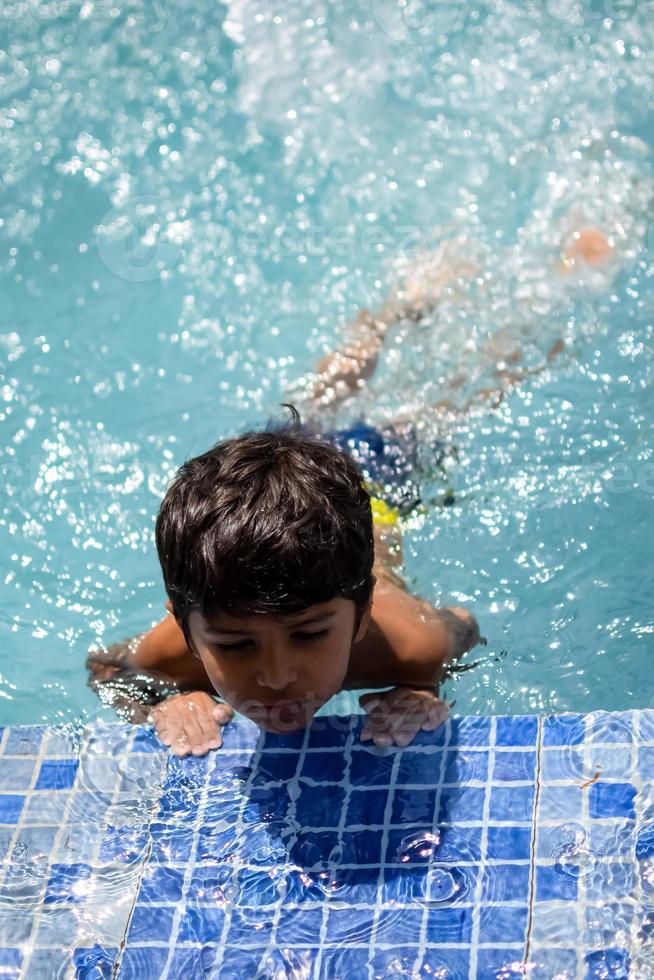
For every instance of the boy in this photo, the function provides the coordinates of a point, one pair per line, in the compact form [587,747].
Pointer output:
[281,591]
[276,603]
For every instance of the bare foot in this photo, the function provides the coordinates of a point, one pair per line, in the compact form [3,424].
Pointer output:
[588,246]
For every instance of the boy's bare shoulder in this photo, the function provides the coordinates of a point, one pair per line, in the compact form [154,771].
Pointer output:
[408,640]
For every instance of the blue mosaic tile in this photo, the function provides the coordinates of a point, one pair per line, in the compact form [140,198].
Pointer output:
[563,729]
[412,805]
[323,767]
[458,804]
[514,766]
[124,844]
[509,843]
[465,767]
[365,806]
[11,805]
[365,846]
[470,730]
[502,924]
[209,882]
[150,924]
[434,844]
[612,800]
[24,740]
[394,922]
[417,768]
[645,843]
[327,731]
[611,763]
[603,726]
[10,962]
[196,962]
[58,774]
[548,963]
[46,807]
[451,963]
[618,878]
[372,767]
[161,884]
[552,882]
[646,763]
[311,809]
[564,763]
[170,843]
[236,964]
[15,774]
[505,882]
[500,964]
[139,962]
[557,800]
[278,766]
[608,963]
[94,963]
[202,924]
[345,962]
[147,740]
[66,883]
[517,730]
[613,839]
[449,925]
[511,804]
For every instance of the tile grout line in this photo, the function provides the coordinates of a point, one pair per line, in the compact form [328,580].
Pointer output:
[122,945]
[190,863]
[77,787]
[483,857]
[534,846]
[20,823]
[131,735]
[388,809]
[342,824]
[637,783]
[290,820]
[38,908]
[447,745]
[586,826]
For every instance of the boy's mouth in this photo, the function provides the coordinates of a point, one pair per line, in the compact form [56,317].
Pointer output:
[283,707]
[282,712]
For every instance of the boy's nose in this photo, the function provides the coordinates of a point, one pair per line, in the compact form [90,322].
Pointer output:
[275,672]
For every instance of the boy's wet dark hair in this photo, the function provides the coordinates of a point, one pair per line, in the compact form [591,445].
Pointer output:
[272,521]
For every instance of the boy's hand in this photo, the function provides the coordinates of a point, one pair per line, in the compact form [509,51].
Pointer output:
[191,723]
[395,717]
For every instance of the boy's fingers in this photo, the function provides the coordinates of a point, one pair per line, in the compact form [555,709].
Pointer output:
[210,731]
[436,715]
[370,702]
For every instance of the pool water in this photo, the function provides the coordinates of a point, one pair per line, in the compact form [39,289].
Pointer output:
[197,197]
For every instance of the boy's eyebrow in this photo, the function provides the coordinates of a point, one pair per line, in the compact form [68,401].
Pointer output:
[320,618]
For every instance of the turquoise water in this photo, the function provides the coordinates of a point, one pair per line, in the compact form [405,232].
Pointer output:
[196,198]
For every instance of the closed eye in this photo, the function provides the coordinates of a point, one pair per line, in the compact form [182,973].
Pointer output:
[244,644]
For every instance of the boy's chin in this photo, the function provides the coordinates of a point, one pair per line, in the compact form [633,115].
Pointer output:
[282,728]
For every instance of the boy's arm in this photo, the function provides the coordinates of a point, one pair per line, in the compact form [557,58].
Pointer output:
[409,645]
[409,642]
[156,678]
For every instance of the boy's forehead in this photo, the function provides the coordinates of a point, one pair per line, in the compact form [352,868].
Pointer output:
[224,620]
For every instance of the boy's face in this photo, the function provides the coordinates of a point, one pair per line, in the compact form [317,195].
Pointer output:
[279,669]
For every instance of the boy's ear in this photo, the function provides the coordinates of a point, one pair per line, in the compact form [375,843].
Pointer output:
[169,606]
[366,614]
